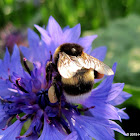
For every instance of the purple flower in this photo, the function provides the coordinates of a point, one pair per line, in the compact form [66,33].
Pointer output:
[10,35]
[24,93]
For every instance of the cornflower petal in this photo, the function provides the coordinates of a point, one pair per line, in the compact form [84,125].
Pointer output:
[88,127]
[116,127]
[72,136]
[7,58]
[33,38]
[99,53]
[115,91]
[120,98]
[32,137]
[36,47]
[71,35]
[4,88]
[122,114]
[102,110]
[44,35]
[86,42]
[50,132]
[15,65]
[12,131]
[3,117]
[5,65]
[54,31]
[65,28]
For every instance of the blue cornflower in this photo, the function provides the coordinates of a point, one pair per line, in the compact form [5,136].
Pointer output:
[24,93]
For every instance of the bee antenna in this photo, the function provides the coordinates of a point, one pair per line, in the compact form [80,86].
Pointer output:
[50,56]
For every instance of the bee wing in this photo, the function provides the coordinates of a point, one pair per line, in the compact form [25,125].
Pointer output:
[91,62]
[68,65]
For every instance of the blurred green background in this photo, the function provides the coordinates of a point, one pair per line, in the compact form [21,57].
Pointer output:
[117,23]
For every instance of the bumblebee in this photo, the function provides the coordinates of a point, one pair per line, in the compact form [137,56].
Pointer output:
[78,71]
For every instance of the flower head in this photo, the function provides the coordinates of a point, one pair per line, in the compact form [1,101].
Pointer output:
[24,93]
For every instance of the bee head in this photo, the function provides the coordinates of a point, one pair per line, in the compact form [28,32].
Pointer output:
[71,49]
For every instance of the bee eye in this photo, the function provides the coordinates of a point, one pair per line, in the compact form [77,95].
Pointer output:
[73,50]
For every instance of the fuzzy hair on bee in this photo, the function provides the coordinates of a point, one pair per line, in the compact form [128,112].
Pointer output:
[78,71]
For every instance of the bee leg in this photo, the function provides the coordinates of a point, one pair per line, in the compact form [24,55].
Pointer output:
[58,86]
[50,68]
[58,90]
[55,91]
[59,108]
[54,84]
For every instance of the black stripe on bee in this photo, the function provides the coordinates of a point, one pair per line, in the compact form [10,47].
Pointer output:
[80,88]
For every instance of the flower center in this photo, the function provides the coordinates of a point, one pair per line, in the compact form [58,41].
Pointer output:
[42,99]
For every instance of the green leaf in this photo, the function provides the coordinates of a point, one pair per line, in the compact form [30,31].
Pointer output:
[135,99]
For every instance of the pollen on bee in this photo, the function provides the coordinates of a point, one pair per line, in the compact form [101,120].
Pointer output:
[52,95]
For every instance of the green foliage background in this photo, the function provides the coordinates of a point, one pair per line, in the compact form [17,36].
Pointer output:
[117,23]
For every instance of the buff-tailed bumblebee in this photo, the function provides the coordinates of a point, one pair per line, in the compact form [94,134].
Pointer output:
[77,71]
